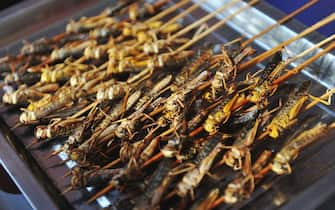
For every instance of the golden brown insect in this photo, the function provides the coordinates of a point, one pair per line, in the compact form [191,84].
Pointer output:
[25,94]
[188,72]
[127,126]
[288,113]
[263,84]
[281,162]
[62,97]
[77,135]
[225,73]
[156,46]
[41,46]
[115,91]
[221,113]
[79,153]
[206,158]
[49,104]
[157,61]
[70,50]
[61,72]
[173,112]
[240,148]
[84,77]
[96,52]
[57,128]
[201,116]
[154,92]
[86,24]
[243,185]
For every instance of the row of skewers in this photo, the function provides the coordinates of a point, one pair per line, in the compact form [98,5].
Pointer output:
[142,112]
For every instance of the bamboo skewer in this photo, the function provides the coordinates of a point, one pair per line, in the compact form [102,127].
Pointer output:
[306,63]
[101,193]
[268,53]
[279,22]
[304,53]
[301,55]
[216,26]
[183,14]
[167,11]
[174,19]
[113,163]
[203,19]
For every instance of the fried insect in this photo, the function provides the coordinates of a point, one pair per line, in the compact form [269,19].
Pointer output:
[240,147]
[281,162]
[226,72]
[221,113]
[25,93]
[205,157]
[57,128]
[288,113]
[61,72]
[243,185]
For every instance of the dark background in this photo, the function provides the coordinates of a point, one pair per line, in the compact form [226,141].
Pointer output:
[310,16]
[7,3]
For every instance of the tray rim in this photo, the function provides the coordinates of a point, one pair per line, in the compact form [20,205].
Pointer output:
[13,158]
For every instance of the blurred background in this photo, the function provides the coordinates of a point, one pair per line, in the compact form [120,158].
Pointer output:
[321,9]
[7,3]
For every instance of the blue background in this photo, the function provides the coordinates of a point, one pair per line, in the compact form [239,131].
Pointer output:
[311,15]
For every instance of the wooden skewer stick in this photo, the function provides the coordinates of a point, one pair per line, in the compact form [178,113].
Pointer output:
[183,14]
[113,163]
[59,36]
[279,22]
[174,19]
[167,11]
[101,193]
[215,26]
[306,63]
[217,202]
[155,158]
[67,174]
[304,53]
[203,19]
[268,53]
[33,143]
[54,153]
[62,35]
[159,4]
[68,189]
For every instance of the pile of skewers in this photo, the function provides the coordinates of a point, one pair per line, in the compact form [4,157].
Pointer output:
[142,112]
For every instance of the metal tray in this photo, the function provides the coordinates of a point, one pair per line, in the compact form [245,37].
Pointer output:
[308,186]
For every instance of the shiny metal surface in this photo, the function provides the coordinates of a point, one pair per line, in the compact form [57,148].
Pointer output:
[322,72]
